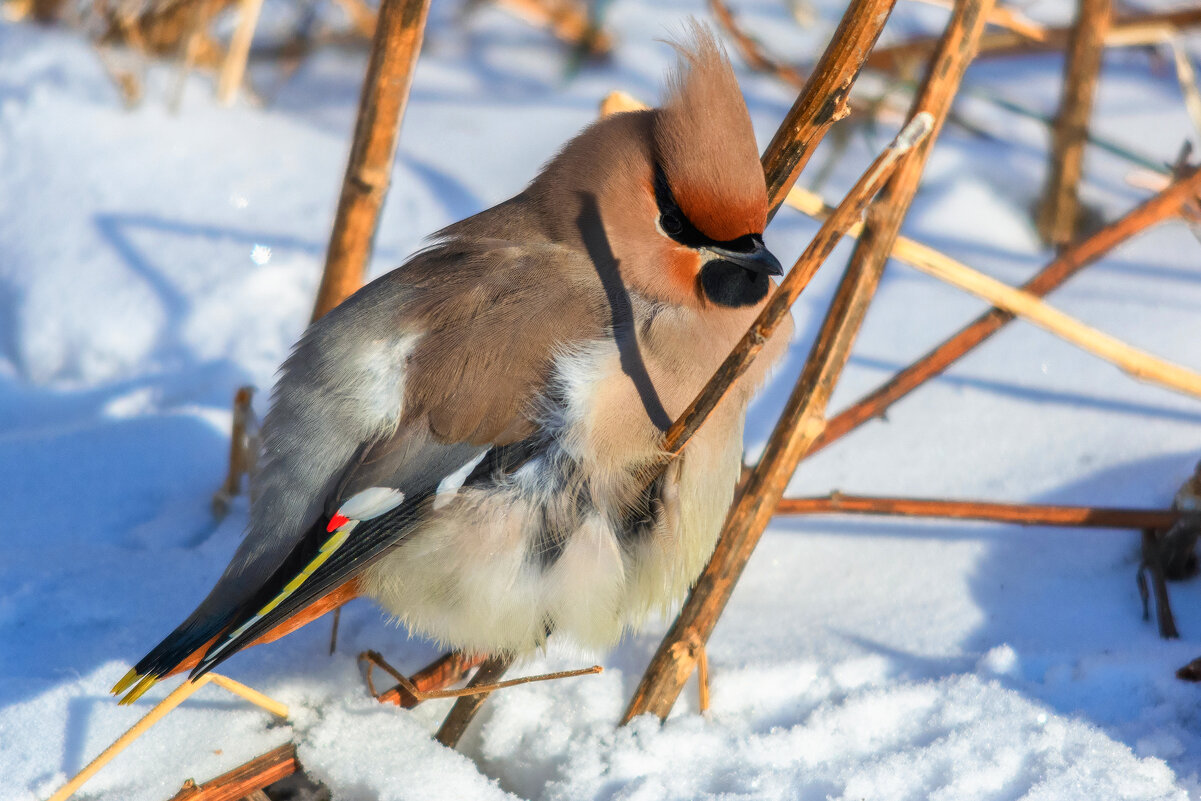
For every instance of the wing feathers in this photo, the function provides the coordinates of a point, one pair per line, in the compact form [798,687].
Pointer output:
[406,382]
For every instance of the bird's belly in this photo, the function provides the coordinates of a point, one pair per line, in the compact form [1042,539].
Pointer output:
[480,575]
[473,576]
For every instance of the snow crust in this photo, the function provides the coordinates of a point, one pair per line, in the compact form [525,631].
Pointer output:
[150,263]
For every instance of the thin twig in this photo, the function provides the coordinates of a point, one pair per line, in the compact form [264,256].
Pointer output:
[1059,213]
[373,659]
[803,415]
[1137,363]
[394,51]
[1164,205]
[157,713]
[1126,30]
[1019,513]
[333,631]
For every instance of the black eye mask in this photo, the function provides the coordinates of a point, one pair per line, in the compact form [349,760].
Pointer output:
[676,224]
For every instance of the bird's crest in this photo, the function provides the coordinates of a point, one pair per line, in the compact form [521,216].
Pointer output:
[705,143]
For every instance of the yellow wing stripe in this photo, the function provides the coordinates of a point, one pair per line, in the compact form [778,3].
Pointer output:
[323,553]
[144,683]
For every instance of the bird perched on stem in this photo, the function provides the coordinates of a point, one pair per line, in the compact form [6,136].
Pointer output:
[537,350]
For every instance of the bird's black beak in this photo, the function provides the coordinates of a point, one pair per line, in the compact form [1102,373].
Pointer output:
[757,258]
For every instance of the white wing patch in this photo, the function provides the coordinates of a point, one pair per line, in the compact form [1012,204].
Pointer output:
[371,502]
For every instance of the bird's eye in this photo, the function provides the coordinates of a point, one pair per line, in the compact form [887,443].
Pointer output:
[670,223]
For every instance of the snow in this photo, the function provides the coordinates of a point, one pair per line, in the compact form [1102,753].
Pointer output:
[151,262]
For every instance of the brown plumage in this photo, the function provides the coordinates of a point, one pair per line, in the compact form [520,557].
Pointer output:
[538,349]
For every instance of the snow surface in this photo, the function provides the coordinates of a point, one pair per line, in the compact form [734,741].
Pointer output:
[152,262]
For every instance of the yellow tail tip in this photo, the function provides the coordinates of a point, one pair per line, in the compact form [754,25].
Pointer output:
[144,684]
[126,680]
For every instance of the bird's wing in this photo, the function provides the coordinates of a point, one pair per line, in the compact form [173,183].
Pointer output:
[408,381]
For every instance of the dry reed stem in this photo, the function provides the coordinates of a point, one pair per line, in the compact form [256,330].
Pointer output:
[803,416]
[394,52]
[246,779]
[1018,513]
[157,713]
[1060,210]
[465,708]
[1137,363]
[823,99]
[1125,30]
[1168,203]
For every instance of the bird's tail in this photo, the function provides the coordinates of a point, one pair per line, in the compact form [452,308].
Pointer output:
[185,647]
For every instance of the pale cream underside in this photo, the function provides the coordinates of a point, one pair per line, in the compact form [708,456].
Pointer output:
[465,577]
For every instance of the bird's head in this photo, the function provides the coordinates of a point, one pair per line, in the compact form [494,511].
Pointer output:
[710,199]
[674,196]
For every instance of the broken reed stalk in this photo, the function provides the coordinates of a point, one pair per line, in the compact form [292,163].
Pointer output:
[1019,513]
[157,713]
[1060,209]
[243,445]
[394,50]
[777,307]
[1125,30]
[823,99]
[448,669]
[1168,203]
[465,708]
[803,416]
[244,780]
[233,68]
[1139,364]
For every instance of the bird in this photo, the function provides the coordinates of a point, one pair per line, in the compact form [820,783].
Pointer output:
[474,439]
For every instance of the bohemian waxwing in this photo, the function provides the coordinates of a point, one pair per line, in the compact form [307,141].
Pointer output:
[540,349]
